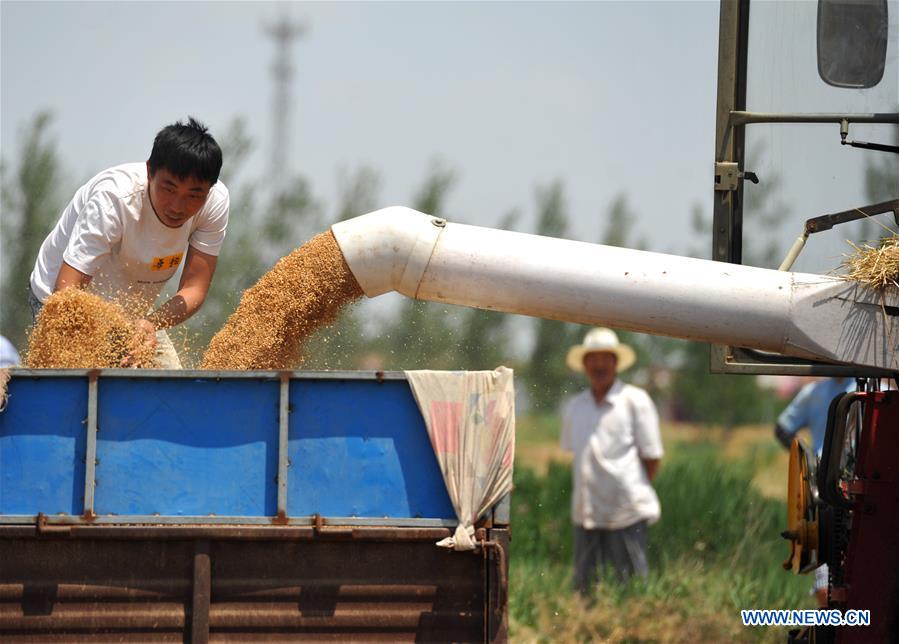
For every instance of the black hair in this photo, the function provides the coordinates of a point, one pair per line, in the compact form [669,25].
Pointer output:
[187,150]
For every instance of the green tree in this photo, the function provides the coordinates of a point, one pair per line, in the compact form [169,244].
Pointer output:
[620,222]
[31,204]
[727,400]
[548,378]
[358,192]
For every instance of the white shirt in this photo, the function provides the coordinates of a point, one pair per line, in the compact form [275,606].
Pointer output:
[110,232]
[608,440]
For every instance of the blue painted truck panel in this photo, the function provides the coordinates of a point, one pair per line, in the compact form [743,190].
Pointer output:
[42,445]
[361,450]
[196,446]
[187,447]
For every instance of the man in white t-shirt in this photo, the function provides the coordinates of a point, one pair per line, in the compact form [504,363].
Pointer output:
[128,229]
[612,429]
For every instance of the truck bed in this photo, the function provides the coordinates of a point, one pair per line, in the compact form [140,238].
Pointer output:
[232,506]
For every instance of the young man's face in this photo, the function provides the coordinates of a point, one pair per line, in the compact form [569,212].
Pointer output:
[176,200]
[600,367]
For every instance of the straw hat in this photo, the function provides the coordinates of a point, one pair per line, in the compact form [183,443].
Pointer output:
[599,340]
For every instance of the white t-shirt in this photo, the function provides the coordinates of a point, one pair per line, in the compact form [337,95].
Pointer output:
[608,440]
[110,232]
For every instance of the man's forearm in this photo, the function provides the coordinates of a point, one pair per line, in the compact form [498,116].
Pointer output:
[199,268]
[183,304]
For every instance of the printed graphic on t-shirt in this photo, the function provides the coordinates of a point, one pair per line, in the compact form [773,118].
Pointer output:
[167,262]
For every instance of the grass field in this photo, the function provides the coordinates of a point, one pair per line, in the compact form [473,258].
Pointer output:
[716,550]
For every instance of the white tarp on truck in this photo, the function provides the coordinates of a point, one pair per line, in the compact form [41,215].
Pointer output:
[470,416]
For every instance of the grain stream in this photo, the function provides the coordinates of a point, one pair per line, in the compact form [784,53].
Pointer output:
[305,291]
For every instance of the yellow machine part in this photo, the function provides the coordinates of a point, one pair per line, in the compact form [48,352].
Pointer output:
[802,514]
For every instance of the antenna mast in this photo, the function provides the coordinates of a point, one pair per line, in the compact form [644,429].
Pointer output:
[283,32]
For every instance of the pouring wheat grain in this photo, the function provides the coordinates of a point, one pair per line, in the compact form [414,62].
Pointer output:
[303,292]
[80,330]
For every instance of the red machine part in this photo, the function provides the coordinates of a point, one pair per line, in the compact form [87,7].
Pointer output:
[871,564]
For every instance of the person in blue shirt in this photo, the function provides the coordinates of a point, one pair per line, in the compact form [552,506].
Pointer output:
[809,409]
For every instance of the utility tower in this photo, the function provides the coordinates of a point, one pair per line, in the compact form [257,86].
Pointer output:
[283,32]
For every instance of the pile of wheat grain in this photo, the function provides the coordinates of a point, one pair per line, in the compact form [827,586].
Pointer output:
[4,379]
[80,330]
[303,292]
[877,267]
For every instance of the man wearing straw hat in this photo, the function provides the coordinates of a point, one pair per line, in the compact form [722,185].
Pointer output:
[612,429]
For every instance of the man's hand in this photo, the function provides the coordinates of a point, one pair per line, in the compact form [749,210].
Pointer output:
[651,465]
[144,338]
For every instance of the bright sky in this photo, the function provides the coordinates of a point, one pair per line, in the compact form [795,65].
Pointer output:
[609,97]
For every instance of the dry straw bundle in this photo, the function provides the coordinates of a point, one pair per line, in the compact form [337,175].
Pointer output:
[80,330]
[876,267]
[305,291]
